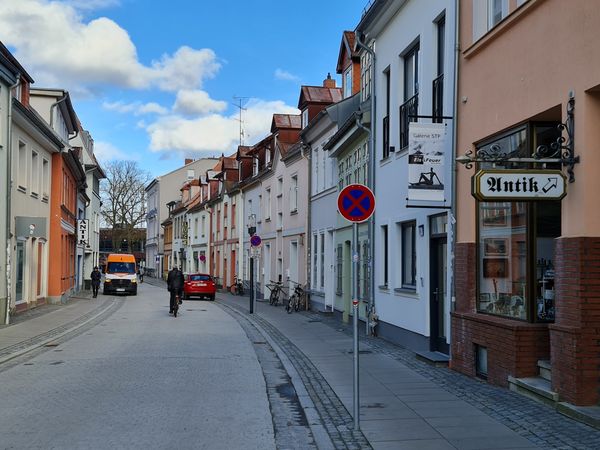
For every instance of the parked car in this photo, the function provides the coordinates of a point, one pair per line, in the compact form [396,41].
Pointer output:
[199,285]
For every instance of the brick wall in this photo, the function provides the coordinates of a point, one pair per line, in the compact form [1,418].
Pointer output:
[513,346]
[575,336]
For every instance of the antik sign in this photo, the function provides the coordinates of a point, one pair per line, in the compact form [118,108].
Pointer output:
[492,185]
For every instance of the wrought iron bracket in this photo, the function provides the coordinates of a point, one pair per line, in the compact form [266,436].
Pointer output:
[561,151]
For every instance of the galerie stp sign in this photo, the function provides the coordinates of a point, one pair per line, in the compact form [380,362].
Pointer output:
[519,185]
[356,203]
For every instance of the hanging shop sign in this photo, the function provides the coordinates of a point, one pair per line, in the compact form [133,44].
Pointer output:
[426,161]
[519,185]
[83,231]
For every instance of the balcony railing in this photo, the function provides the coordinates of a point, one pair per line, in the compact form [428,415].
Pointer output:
[408,113]
[386,137]
[437,107]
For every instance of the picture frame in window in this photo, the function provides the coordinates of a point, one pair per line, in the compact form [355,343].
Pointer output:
[495,267]
[495,247]
[494,217]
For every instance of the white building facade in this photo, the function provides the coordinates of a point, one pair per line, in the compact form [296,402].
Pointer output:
[414,45]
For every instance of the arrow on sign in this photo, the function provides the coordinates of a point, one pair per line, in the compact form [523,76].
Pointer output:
[551,184]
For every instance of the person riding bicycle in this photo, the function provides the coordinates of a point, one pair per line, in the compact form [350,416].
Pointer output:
[175,286]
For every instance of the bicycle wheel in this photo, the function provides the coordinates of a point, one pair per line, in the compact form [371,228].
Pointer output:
[273,297]
[291,303]
[298,303]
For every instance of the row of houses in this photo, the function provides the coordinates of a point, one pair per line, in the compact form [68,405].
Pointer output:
[50,202]
[434,96]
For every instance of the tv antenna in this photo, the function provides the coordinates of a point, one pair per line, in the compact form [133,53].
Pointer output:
[241,108]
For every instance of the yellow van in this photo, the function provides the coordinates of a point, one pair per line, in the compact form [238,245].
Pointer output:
[121,274]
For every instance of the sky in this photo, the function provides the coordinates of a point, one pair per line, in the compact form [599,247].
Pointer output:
[160,81]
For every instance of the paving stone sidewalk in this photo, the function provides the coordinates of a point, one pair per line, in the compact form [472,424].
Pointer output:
[464,412]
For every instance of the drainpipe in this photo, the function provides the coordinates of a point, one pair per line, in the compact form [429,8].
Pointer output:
[308,234]
[370,312]
[8,202]
[454,151]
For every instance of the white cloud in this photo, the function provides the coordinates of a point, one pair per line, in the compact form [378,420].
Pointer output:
[215,133]
[281,74]
[197,102]
[105,151]
[59,47]
[137,108]
[92,4]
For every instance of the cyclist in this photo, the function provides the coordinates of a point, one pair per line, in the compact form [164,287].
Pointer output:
[175,286]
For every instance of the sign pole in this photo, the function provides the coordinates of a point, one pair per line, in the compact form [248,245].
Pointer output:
[251,284]
[355,285]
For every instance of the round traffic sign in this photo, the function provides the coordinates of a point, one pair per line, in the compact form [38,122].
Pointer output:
[356,203]
[255,240]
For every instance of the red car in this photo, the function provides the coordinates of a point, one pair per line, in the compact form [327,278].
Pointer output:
[200,285]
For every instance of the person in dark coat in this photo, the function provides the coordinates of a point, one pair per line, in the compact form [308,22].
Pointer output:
[175,286]
[96,275]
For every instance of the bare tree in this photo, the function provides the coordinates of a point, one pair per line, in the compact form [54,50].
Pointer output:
[124,200]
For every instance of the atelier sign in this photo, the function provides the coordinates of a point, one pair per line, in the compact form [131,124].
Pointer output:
[519,185]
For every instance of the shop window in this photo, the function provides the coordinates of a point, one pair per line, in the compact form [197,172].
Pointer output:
[409,256]
[516,240]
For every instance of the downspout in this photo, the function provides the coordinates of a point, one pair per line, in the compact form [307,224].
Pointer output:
[454,168]
[8,200]
[370,310]
[308,234]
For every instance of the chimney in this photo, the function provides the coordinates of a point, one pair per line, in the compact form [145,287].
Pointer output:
[188,161]
[329,82]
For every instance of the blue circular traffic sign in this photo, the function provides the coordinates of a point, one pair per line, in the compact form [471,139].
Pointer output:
[356,203]
[255,240]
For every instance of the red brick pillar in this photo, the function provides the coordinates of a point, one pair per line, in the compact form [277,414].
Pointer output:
[575,335]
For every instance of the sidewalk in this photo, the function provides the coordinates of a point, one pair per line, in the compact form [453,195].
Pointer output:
[409,404]
[40,326]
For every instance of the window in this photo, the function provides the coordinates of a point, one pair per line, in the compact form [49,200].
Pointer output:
[437,107]
[409,256]
[268,211]
[386,119]
[497,10]
[196,228]
[487,14]
[322,268]
[410,108]
[203,225]
[233,215]
[384,255]
[22,166]
[279,186]
[515,241]
[267,156]
[348,82]
[254,165]
[365,75]
[35,174]
[339,269]
[294,194]
[365,269]
[315,167]
[315,258]
[304,118]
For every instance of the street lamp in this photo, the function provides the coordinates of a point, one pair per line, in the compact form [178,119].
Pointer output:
[251,232]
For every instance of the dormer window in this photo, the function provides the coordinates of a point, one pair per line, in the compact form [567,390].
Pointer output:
[304,118]
[267,156]
[255,165]
[348,82]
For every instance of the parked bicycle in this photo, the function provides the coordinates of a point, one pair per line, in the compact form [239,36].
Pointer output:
[277,293]
[237,288]
[297,300]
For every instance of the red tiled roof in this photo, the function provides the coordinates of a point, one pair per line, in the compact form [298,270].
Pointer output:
[319,94]
[347,47]
[291,121]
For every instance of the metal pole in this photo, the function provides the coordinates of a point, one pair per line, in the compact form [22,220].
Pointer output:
[355,322]
[251,284]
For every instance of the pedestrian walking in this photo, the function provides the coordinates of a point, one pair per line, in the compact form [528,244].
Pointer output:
[175,286]
[96,276]
[141,274]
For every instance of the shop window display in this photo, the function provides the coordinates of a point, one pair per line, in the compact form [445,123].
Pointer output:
[516,241]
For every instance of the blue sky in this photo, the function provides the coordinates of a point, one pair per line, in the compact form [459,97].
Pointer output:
[155,81]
